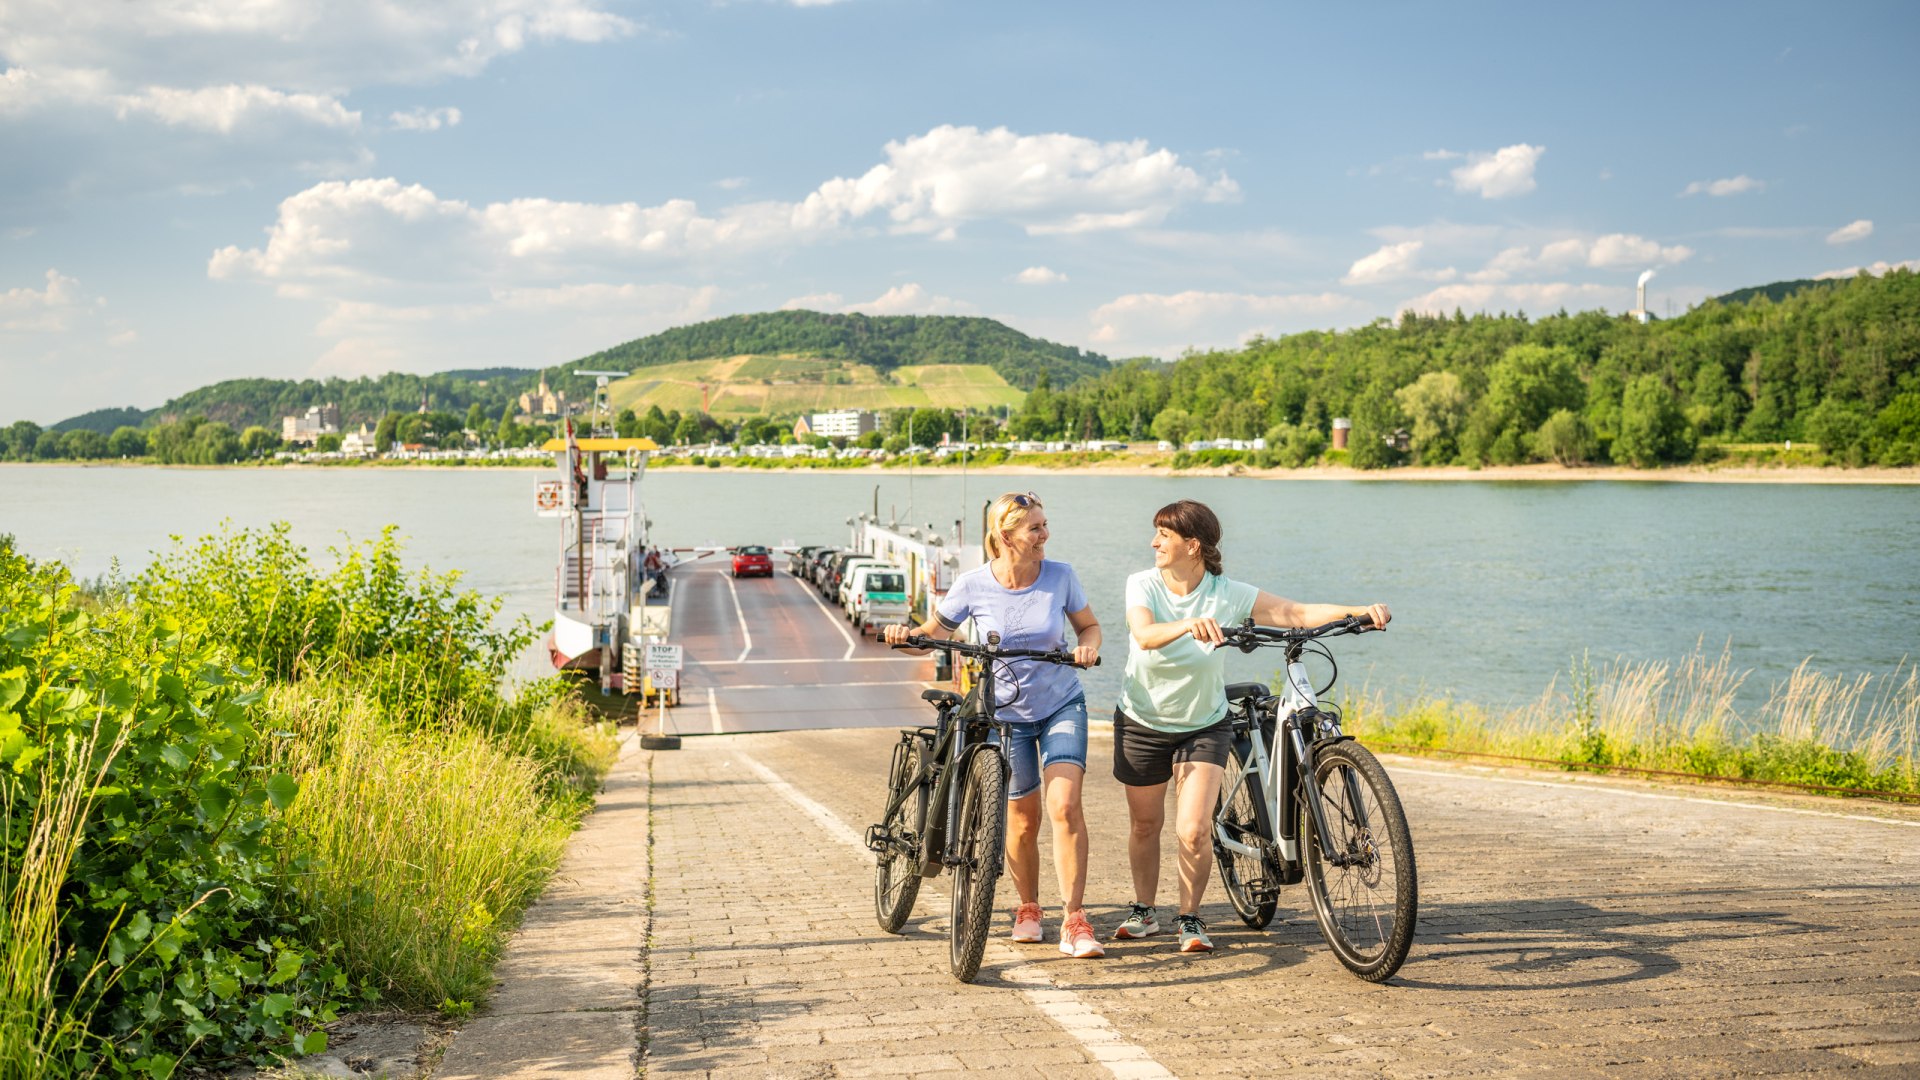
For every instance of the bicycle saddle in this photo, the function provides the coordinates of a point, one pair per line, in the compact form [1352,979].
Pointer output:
[1238,690]
[940,697]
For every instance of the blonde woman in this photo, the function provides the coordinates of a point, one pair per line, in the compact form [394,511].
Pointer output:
[1032,602]
[1172,721]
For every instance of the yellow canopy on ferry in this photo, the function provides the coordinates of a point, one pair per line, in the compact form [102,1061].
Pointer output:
[602,445]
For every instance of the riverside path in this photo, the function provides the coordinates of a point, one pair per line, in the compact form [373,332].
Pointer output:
[715,919]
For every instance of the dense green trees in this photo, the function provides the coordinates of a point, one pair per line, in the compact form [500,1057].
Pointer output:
[886,342]
[1837,363]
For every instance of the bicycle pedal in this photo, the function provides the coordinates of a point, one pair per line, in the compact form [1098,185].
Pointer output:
[877,838]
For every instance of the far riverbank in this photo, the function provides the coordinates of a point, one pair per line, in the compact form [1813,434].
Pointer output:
[1544,472]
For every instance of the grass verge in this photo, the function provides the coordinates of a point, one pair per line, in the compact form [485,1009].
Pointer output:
[1840,733]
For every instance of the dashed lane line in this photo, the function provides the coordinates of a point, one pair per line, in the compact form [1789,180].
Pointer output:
[1652,795]
[741,617]
[1094,1032]
[713,711]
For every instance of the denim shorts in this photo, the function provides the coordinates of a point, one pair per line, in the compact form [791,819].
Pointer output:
[1059,739]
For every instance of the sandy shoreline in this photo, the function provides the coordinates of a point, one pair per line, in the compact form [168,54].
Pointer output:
[1541,473]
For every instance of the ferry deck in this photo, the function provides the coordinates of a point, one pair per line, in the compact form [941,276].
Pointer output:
[769,654]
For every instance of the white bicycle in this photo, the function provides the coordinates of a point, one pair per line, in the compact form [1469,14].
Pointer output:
[1302,800]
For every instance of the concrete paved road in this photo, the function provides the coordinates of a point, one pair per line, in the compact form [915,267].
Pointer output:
[1568,928]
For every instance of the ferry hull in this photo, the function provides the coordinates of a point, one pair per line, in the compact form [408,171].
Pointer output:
[571,645]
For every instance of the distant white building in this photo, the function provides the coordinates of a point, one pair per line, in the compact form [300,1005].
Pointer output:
[358,443]
[319,420]
[846,423]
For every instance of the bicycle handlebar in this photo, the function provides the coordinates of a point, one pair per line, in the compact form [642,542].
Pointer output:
[1247,637]
[994,652]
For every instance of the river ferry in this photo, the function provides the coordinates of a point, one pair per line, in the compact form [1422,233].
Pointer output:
[601,579]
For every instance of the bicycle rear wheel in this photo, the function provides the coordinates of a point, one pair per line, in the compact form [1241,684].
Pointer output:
[896,871]
[982,834]
[1365,889]
[1242,814]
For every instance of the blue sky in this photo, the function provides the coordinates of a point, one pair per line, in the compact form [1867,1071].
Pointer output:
[194,190]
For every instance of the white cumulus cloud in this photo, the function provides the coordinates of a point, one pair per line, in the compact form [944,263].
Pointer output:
[48,310]
[1506,172]
[1847,234]
[909,299]
[1161,324]
[1612,251]
[1050,183]
[1391,263]
[226,108]
[307,45]
[1039,275]
[1534,296]
[424,119]
[1877,269]
[1733,185]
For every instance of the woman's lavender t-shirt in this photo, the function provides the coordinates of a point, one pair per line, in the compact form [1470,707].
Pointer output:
[1031,618]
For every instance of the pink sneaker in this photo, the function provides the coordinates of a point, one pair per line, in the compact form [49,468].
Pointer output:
[1077,938]
[1026,924]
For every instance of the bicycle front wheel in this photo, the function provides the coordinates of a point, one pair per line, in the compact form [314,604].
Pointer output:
[1365,890]
[982,839]
[1241,814]
[896,871]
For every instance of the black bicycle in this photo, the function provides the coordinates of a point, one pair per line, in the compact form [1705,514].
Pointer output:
[947,804]
[1303,800]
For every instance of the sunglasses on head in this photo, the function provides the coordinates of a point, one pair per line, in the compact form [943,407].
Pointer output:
[1024,501]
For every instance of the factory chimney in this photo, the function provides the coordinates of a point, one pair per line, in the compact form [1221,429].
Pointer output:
[1640,311]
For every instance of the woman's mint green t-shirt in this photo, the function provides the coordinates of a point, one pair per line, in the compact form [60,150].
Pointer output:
[1181,686]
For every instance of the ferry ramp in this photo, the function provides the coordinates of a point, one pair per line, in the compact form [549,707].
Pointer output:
[768,654]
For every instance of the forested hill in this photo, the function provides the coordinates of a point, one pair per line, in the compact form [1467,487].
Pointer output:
[883,341]
[242,403]
[1837,365]
[1775,292]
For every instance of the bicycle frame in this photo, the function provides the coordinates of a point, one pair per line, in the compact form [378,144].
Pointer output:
[950,753]
[1284,767]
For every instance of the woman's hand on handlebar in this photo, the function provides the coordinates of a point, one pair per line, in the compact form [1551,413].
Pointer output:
[896,634]
[1086,656]
[1378,615]
[1205,630]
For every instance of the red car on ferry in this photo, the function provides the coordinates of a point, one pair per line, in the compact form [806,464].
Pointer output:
[752,560]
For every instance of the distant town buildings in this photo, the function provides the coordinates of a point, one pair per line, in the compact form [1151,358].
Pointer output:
[358,443]
[846,423]
[319,420]
[543,402]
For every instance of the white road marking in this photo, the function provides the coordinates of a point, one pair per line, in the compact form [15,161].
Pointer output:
[815,597]
[1652,795]
[713,710]
[1101,1040]
[742,616]
[795,686]
[818,660]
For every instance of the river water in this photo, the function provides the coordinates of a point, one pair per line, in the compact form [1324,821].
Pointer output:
[1496,587]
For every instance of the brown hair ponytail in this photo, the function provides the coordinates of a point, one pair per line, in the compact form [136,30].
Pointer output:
[1193,521]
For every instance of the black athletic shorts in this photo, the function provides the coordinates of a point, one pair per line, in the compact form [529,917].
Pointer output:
[1143,757]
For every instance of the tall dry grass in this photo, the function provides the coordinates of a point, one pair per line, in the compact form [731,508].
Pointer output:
[43,1033]
[425,844]
[1831,730]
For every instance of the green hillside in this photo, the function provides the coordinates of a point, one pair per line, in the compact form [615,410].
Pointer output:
[882,342]
[1775,292]
[740,386]
[1837,366]
[103,421]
